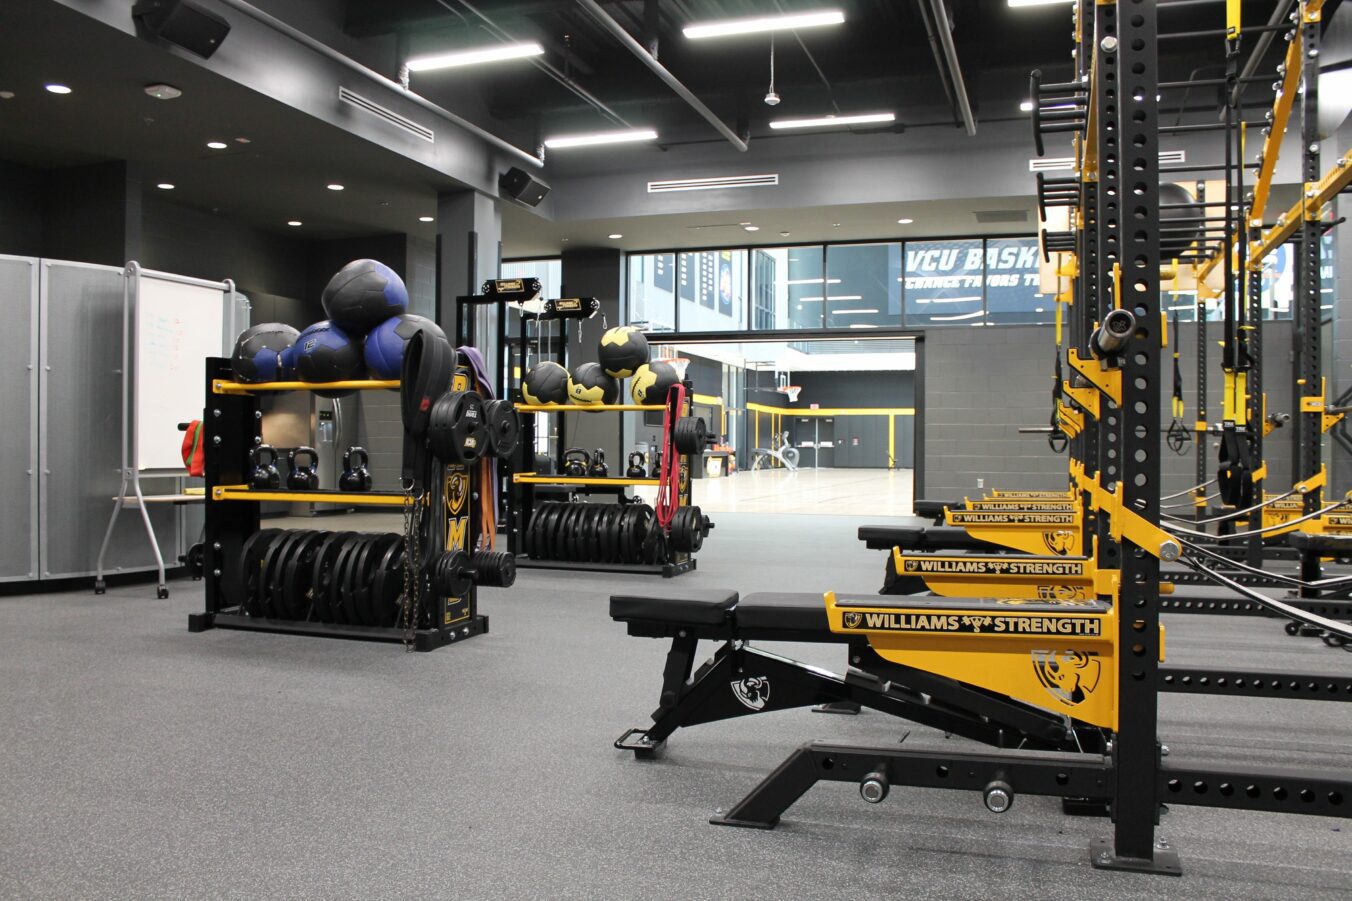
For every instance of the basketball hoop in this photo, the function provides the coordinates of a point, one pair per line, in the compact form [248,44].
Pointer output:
[680,364]
[792,391]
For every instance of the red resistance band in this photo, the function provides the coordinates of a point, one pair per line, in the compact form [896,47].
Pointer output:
[192,449]
[669,483]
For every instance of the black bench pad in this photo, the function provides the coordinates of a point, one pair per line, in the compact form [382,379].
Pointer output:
[922,538]
[1326,544]
[933,509]
[799,611]
[697,607]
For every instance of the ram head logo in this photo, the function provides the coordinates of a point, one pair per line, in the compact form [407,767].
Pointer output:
[752,691]
[1059,541]
[1069,676]
[854,620]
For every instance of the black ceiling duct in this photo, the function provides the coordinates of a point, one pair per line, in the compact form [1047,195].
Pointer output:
[183,23]
[523,186]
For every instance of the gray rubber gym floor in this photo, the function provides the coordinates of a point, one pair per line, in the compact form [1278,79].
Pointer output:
[143,761]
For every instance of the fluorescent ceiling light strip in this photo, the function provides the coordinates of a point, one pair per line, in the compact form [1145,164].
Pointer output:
[474,57]
[854,312]
[956,316]
[763,23]
[862,325]
[604,137]
[1021,4]
[830,121]
[844,297]
[812,281]
[967,299]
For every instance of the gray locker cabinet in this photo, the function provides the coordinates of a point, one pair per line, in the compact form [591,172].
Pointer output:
[80,360]
[19,400]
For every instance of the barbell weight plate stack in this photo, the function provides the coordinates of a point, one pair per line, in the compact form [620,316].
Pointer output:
[323,559]
[295,580]
[689,435]
[388,586]
[456,432]
[269,583]
[504,428]
[250,561]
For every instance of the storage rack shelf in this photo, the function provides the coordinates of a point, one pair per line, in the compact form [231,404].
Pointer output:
[227,386]
[530,478]
[364,498]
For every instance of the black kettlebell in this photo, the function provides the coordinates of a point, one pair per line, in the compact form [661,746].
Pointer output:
[303,476]
[656,471]
[598,468]
[264,474]
[576,462]
[355,477]
[636,470]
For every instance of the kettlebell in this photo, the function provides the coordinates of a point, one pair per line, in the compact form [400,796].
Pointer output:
[355,477]
[635,470]
[598,468]
[576,462]
[303,476]
[263,459]
[655,472]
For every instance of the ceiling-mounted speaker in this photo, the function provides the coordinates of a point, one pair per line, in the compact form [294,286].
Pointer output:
[521,185]
[184,23]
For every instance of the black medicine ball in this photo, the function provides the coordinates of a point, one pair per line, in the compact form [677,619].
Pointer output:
[1173,243]
[652,381]
[363,294]
[589,386]
[325,353]
[545,383]
[623,350]
[258,350]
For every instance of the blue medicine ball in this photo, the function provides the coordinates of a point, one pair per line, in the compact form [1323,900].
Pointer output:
[385,345]
[257,353]
[325,353]
[363,294]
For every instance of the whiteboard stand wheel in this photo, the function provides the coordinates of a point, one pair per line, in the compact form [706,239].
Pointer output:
[100,586]
[162,592]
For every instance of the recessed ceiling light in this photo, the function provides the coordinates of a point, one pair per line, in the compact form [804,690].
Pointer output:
[217,145]
[242,141]
[1026,106]
[614,237]
[833,121]
[905,221]
[835,225]
[294,223]
[58,88]
[165,186]
[335,187]
[751,228]
[763,23]
[163,91]
[6,95]
[474,57]
[426,219]
[783,234]
[1019,4]
[603,137]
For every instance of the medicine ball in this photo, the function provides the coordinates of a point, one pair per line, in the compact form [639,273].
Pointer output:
[363,294]
[325,353]
[384,347]
[588,386]
[545,383]
[1173,243]
[652,381]
[623,350]
[257,356]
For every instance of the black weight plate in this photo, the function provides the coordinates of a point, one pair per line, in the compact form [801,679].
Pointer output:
[537,530]
[594,533]
[248,568]
[654,543]
[276,582]
[338,572]
[587,540]
[645,522]
[603,534]
[577,538]
[296,574]
[324,556]
[624,532]
[275,551]
[387,584]
[350,589]
[345,583]
[365,575]
[558,532]
[611,541]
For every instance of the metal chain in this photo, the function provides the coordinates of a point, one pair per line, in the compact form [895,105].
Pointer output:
[409,600]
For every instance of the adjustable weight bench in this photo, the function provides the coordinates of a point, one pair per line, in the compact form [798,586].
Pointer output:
[924,538]
[739,680]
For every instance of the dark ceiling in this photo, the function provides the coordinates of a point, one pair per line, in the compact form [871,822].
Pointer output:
[881,59]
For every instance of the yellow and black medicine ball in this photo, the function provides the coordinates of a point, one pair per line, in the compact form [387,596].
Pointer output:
[588,386]
[652,381]
[545,383]
[623,350]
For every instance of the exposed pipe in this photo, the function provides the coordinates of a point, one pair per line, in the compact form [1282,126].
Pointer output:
[1260,47]
[954,70]
[938,59]
[604,19]
[319,47]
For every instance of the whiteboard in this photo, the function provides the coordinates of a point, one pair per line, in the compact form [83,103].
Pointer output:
[177,326]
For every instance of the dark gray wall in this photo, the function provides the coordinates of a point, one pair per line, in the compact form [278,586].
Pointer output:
[22,209]
[92,215]
[982,384]
[855,389]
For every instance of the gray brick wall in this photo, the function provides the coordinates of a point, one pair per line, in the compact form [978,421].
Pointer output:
[982,384]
